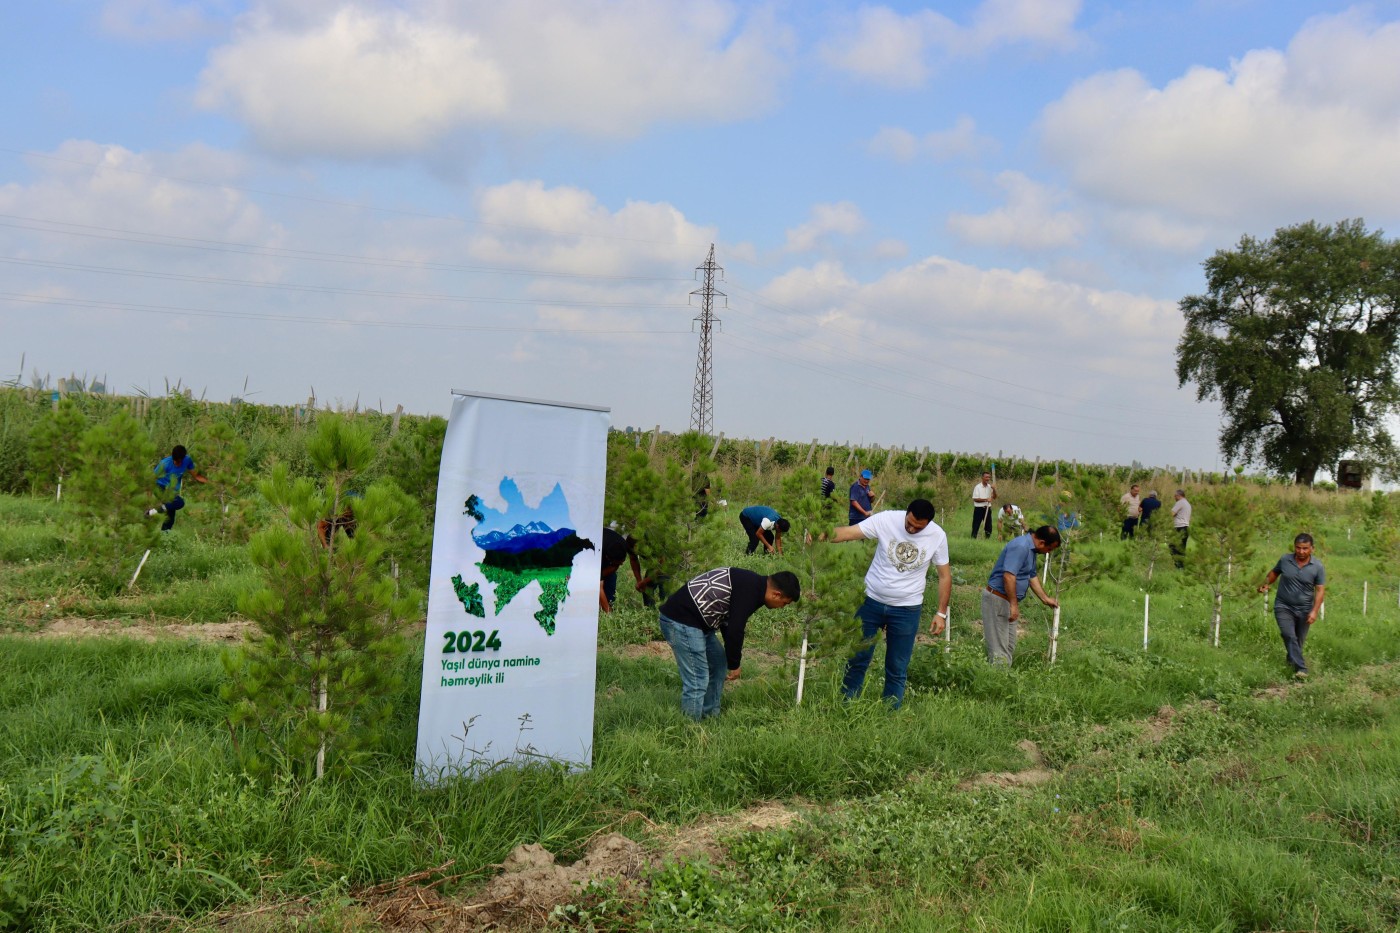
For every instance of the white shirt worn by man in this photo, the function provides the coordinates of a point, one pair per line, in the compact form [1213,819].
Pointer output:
[984,492]
[1181,514]
[1132,505]
[899,572]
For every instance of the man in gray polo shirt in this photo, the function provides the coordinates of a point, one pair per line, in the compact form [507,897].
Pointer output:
[1300,592]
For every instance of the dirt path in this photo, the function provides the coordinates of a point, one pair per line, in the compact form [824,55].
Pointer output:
[214,632]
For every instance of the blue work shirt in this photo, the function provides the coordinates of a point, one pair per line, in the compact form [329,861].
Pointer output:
[860,494]
[168,469]
[757,513]
[1296,584]
[1017,557]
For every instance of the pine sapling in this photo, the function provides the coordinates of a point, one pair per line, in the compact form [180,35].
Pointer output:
[311,690]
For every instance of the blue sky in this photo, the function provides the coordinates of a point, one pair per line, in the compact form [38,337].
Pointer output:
[965,226]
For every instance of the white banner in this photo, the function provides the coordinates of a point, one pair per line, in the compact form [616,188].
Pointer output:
[508,667]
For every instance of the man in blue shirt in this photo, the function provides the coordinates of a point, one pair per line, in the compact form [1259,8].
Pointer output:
[1012,575]
[764,524]
[170,472]
[1301,588]
[860,499]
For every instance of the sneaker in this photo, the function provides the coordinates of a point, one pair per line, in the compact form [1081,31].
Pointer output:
[1300,675]
[152,513]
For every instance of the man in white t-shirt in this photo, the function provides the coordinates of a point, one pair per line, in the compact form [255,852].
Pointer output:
[1132,510]
[908,542]
[1181,525]
[982,495]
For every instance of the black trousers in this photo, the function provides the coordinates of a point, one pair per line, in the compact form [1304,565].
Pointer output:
[981,515]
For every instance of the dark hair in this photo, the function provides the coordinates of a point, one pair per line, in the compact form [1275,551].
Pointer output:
[178,453]
[1303,538]
[830,471]
[922,509]
[1047,534]
[785,582]
[783,525]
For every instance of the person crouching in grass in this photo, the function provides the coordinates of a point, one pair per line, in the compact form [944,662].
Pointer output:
[717,601]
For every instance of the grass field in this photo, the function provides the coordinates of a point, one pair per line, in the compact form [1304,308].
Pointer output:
[1184,787]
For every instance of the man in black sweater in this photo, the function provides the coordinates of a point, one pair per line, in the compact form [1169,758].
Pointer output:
[719,600]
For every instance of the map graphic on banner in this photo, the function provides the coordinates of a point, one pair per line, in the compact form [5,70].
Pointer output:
[522,545]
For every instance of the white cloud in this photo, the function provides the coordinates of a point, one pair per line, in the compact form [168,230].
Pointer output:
[1028,220]
[960,141]
[884,47]
[826,220]
[565,229]
[369,78]
[1313,129]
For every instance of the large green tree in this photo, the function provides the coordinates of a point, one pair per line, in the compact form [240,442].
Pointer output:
[1296,336]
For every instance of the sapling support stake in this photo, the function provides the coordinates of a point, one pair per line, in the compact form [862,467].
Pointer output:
[802,663]
[1365,592]
[1054,634]
[948,630]
[1215,623]
[1146,603]
[138,568]
[58,496]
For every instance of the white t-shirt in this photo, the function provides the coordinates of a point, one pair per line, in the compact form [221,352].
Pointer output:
[1181,514]
[981,491]
[899,571]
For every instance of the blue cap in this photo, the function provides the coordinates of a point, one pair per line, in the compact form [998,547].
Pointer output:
[866,474]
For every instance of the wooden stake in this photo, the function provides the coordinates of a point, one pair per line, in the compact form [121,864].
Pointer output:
[1215,623]
[811,450]
[715,449]
[138,569]
[1055,635]
[802,664]
[948,629]
[1146,603]
[655,435]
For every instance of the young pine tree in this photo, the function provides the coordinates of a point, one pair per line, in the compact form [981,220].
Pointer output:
[832,577]
[221,456]
[1223,528]
[53,442]
[111,489]
[657,509]
[312,690]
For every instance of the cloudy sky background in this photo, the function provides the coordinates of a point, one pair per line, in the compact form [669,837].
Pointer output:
[965,226]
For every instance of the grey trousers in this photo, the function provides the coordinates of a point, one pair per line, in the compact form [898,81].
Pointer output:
[998,631]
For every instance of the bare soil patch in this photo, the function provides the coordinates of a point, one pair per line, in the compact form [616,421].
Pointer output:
[218,632]
[1038,773]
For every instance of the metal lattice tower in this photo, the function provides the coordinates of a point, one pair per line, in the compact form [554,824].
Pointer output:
[702,406]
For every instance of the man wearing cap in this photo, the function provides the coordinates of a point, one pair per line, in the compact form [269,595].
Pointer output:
[982,495]
[907,543]
[860,499]
[1013,573]
[763,524]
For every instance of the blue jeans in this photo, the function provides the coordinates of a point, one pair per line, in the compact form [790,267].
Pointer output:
[1293,627]
[901,624]
[170,508]
[703,666]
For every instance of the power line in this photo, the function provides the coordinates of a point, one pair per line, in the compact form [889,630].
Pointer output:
[121,235]
[88,303]
[758,299]
[108,167]
[765,352]
[319,289]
